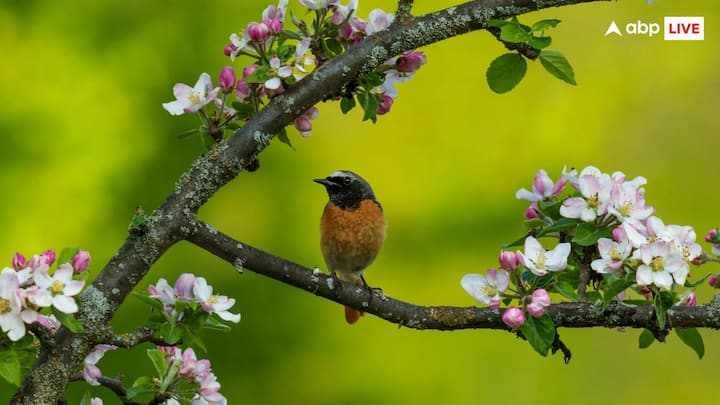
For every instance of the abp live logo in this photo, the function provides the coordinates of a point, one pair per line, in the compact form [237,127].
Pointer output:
[684,28]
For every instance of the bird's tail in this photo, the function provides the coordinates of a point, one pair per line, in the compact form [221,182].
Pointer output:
[352,315]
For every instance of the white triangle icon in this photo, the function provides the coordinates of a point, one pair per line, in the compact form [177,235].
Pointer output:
[613,28]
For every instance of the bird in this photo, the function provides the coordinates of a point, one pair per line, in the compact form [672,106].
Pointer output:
[352,230]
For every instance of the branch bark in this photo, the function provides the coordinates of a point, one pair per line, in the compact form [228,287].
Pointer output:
[171,222]
[568,315]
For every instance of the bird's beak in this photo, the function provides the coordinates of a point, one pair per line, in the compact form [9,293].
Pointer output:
[324,182]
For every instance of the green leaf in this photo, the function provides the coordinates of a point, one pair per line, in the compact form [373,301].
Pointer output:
[244,110]
[233,125]
[540,42]
[615,288]
[663,301]
[692,338]
[86,400]
[637,303]
[373,79]
[539,332]
[543,25]
[347,104]
[261,75]
[67,255]
[518,242]
[282,136]
[534,223]
[515,33]
[505,72]
[171,333]
[284,52]
[646,339]
[332,47]
[561,224]
[567,290]
[68,321]
[556,64]
[143,385]
[291,35]
[215,324]
[187,133]
[697,283]
[587,234]
[10,368]
[550,208]
[194,340]
[497,23]
[369,104]
[592,296]
[159,360]
[153,302]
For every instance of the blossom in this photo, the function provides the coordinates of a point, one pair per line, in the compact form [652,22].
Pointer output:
[303,124]
[595,189]
[531,212]
[714,281]
[209,392]
[192,367]
[303,60]
[81,261]
[317,4]
[227,79]
[278,71]
[183,288]
[378,21]
[191,99]
[410,62]
[627,201]
[486,289]
[257,32]
[543,188]
[509,260]
[661,264]
[540,301]
[612,255]
[539,261]
[513,317]
[689,299]
[60,286]
[385,102]
[10,305]
[96,401]
[710,236]
[211,303]
[162,291]
[91,372]
[19,261]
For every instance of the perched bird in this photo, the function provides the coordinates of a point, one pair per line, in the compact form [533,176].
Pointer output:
[352,229]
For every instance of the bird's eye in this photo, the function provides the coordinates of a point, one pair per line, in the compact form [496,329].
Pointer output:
[347,181]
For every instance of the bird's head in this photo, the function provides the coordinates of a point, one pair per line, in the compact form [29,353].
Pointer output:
[346,189]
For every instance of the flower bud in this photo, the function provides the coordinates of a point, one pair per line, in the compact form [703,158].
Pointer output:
[714,280]
[80,261]
[243,90]
[409,62]
[385,102]
[49,256]
[227,79]
[710,235]
[531,212]
[257,32]
[509,260]
[248,70]
[303,125]
[228,50]
[19,261]
[184,286]
[540,301]
[513,317]
[689,300]
[274,26]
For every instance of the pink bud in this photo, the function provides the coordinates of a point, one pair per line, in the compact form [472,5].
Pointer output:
[513,317]
[346,31]
[303,125]
[411,61]
[714,280]
[184,286]
[710,235]
[385,102]
[227,79]
[617,234]
[49,256]
[274,26]
[540,301]
[248,70]
[80,261]
[689,300]
[257,32]
[19,261]
[531,212]
[228,50]
[509,260]
[243,90]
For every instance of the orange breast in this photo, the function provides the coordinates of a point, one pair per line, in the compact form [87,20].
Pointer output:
[351,239]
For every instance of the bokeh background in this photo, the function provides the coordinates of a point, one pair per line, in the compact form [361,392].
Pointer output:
[83,140]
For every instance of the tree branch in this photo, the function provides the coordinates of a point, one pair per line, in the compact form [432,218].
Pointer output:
[569,315]
[113,384]
[171,221]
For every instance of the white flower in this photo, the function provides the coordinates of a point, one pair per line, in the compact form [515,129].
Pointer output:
[192,99]
[378,21]
[486,290]
[661,264]
[10,306]
[595,189]
[317,4]
[60,287]
[91,372]
[542,188]
[279,72]
[539,261]
[163,292]
[218,304]
[612,255]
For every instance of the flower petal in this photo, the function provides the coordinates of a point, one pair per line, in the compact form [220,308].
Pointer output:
[65,304]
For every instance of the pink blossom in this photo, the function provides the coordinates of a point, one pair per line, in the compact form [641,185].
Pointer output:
[595,189]
[710,236]
[513,317]
[81,261]
[192,367]
[229,49]
[91,372]
[19,261]
[303,124]
[378,21]
[540,301]
[183,288]
[60,287]
[162,291]
[540,261]
[227,79]
[531,212]
[486,289]
[257,32]
[509,260]
[219,304]
[190,100]
[689,300]
[209,392]
[661,264]
[277,71]
[612,255]
[714,280]
[385,102]
[317,4]
[10,305]
[410,62]
[49,256]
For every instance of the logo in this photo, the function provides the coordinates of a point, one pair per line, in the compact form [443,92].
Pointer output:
[684,28]
[613,29]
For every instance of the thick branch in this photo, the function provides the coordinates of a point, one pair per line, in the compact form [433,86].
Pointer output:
[569,315]
[171,221]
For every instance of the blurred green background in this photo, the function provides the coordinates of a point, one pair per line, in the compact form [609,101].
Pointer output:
[84,140]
